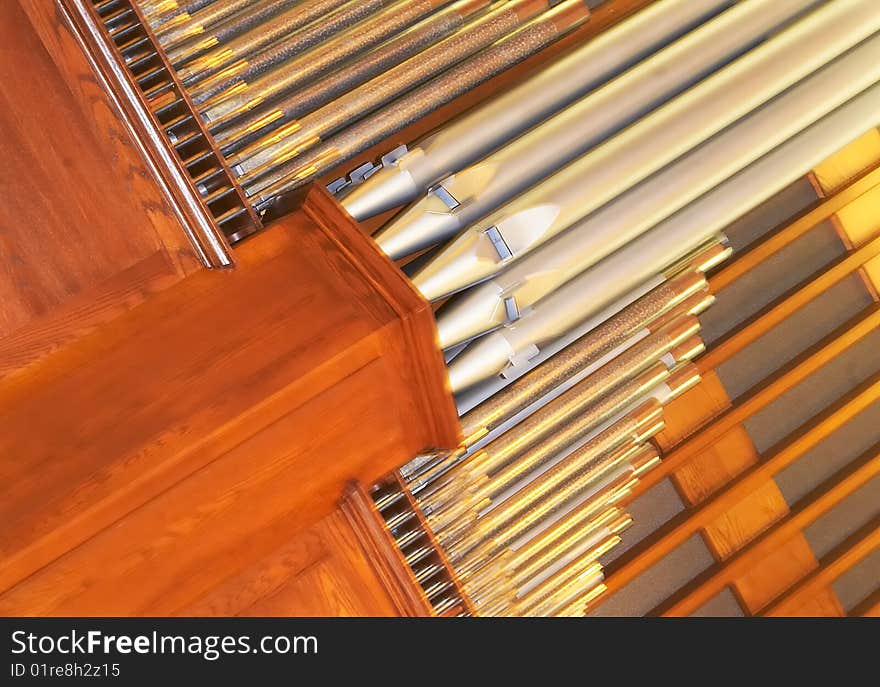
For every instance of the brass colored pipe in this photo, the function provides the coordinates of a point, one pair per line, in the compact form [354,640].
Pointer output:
[235,135]
[258,14]
[543,434]
[545,495]
[577,608]
[505,468]
[263,48]
[320,146]
[318,60]
[578,572]
[260,165]
[184,26]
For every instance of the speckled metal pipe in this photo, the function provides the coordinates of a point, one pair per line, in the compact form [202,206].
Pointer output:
[309,65]
[252,17]
[233,136]
[266,158]
[533,443]
[184,26]
[484,490]
[272,44]
[512,49]
[158,12]
[579,356]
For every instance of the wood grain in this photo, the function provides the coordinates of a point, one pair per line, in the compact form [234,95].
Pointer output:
[842,558]
[754,556]
[786,378]
[693,520]
[213,422]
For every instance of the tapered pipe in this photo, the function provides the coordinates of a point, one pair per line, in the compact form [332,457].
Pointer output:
[422,464]
[291,139]
[485,128]
[631,214]
[538,498]
[577,608]
[217,37]
[596,494]
[566,546]
[590,528]
[184,26]
[235,135]
[583,574]
[495,473]
[482,187]
[647,146]
[321,59]
[568,554]
[683,232]
[581,357]
[561,421]
[611,490]
[321,156]
[157,13]
[249,56]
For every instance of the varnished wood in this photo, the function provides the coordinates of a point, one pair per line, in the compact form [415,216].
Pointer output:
[786,378]
[841,559]
[680,528]
[79,206]
[322,571]
[188,428]
[384,555]
[869,608]
[820,501]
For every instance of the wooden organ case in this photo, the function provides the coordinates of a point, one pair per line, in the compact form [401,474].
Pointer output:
[190,424]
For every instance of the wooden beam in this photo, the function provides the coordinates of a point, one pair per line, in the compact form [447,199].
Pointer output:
[775,313]
[760,396]
[813,506]
[748,260]
[844,557]
[688,523]
[869,608]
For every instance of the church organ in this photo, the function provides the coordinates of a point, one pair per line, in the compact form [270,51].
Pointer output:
[220,396]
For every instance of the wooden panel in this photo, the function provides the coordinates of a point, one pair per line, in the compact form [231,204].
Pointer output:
[680,528]
[841,559]
[859,221]
[323,572]
[716,466]
[306,365]
[711,470]
[79,205]
[799,369]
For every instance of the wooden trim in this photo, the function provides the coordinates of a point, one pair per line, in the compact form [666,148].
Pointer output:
[793,230]
[219,158]
[384,555]
[841,559]
[813,506]
[869,608]
[760,396]
[779,310]
[688,523]
[195,218]
[434,393]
